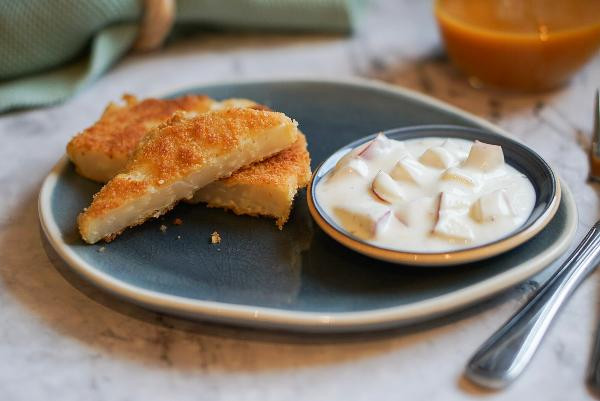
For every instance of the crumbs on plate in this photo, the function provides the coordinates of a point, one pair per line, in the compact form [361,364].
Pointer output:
[163,228]
[178,221]
[215,238]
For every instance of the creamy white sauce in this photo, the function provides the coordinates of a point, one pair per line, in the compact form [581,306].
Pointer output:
[427,194]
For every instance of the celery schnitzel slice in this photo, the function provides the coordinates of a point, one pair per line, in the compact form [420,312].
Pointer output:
[101,151]
[266,188]
[179,157]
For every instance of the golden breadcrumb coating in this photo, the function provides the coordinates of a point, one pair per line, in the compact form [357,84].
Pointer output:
[264,186]
[101,151]
[120,128]
[215,238]
[278,169]
[169,154]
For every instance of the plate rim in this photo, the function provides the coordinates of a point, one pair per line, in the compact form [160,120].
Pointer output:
[241,314]
[479,252]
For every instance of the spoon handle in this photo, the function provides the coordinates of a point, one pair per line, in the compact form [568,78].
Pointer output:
[503,357]
[594,367]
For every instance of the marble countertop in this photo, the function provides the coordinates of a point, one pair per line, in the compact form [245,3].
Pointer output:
[60,338]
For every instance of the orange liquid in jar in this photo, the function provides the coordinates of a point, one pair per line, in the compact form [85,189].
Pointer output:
[520,44]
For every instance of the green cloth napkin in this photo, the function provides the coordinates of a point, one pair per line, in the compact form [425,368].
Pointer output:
[51,49]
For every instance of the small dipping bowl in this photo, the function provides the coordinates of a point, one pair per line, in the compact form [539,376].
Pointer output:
[519,156]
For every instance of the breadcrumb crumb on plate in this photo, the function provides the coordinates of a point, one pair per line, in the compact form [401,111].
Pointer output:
[215,238]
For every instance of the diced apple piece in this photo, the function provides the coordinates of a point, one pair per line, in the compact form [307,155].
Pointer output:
[364,222]
[437,157]
[344,160]
[382,223]
[492,206]
[484,157]
[416,211]
[455,150]
[377,147]
[351,164]
[385,188]
[451,208]
[461,176]
[409,169]
[358,167]
[452,203]
[453,228]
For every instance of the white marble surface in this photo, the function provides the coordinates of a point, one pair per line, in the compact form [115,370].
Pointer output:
[62,339]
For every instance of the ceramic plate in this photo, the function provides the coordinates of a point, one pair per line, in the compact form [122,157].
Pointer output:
[297,278]
[519,156]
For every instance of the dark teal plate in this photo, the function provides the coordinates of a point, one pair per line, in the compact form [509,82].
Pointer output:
[297,278]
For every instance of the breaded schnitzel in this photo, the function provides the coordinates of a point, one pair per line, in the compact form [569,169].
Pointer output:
[266,188]
[179,157]
[102,150]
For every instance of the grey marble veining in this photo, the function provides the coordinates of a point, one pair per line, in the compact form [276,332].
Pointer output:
[62,339]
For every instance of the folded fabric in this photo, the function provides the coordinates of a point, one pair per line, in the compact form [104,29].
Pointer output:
[53,48]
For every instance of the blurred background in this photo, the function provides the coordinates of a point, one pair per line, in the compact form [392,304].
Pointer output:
[55,49]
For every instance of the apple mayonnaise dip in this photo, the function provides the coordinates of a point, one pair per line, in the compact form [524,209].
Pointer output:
[426,194]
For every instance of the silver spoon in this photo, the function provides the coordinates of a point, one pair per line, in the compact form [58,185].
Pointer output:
[504,356]
[594,368]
